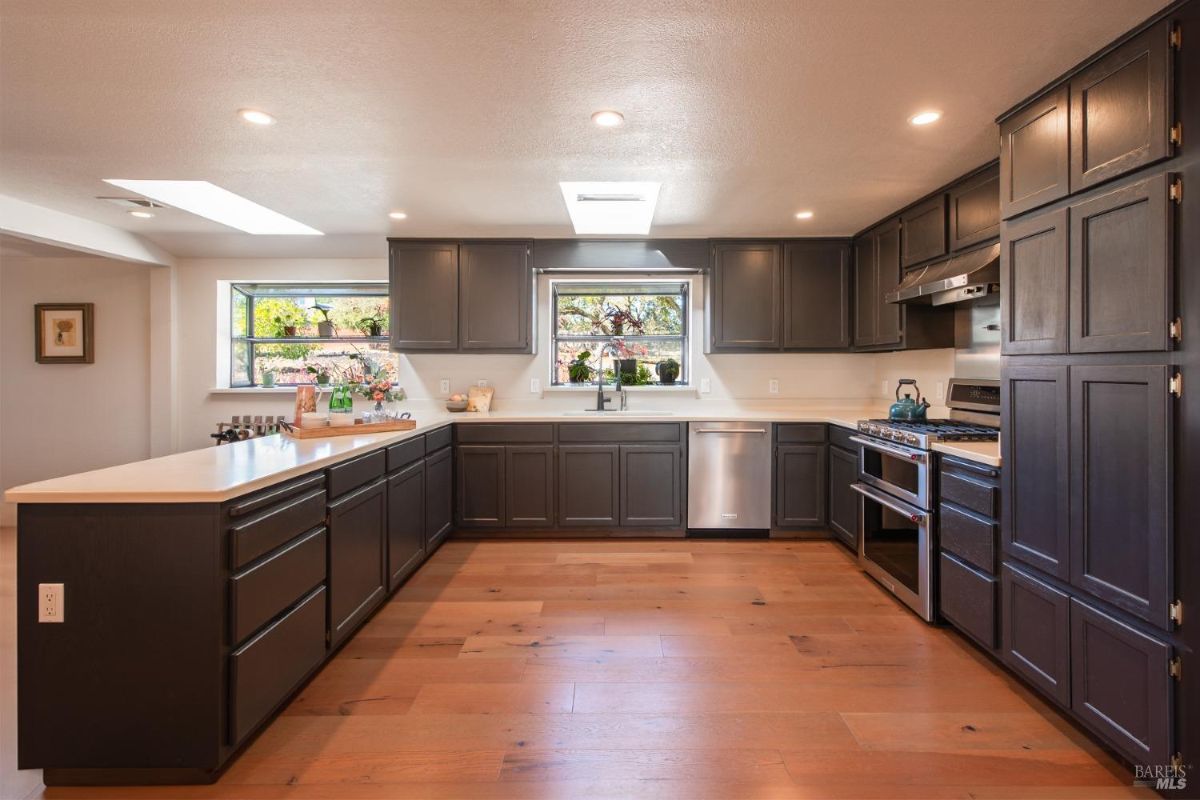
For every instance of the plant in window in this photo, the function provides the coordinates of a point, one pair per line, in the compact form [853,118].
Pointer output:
[324,326]
[372,324]
[286,320]
[579,370]
[668,370]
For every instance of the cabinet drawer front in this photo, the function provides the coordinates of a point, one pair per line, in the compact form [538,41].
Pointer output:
[800,433]
[354,473]
[267,588]
[500,433]
[438,439]
[405,453]
[1034,624]
[968,599]
[974,494]
[276,495]
[1120,685]
[635,432]
[841,437]
[262,534]
[265,670]
[971,538]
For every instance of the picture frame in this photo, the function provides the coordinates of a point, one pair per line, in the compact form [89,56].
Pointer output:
[63,333]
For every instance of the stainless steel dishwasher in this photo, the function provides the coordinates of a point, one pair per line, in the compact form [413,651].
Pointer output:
[729,475]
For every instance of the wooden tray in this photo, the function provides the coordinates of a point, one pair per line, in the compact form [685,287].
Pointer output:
[352,430]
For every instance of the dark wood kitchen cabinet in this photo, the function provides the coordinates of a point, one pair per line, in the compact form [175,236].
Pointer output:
[439,497]
[1035,154]
[1036,634]
[923,232]
[800,485]
[529,486]
[843,501]
[423,293]
[866,289]
[1121,110]
[406,522]
[816,295]
[357,557]
[974,208]
[877,323]
[744,310]
[1035,414]
[496,291]
[481,489]
[1034,272]
[1121,275]
[1121,543]
[651,478]
[589,486]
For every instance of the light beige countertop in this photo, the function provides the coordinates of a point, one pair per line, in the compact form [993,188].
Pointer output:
[216,474]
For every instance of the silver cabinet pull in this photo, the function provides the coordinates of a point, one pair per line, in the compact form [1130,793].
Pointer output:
[731,430]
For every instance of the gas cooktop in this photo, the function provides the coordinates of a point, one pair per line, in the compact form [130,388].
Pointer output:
[923,434]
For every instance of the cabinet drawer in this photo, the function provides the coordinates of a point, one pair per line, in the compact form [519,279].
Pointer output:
[634,432]
[500,433]
[264,590]
[841,437]
[968,599]
[971,538]
[402,454]
[276,495]
[436,440]
[265,670]
[355,472]
[977,494]
[800,433]
[263,533]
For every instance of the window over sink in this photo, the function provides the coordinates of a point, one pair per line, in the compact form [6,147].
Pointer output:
[645,320]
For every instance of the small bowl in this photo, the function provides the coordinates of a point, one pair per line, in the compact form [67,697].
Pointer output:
[456,405]
[341,419]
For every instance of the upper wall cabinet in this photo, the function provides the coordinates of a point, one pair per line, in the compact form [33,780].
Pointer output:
[1034,163]
[974,208]
[923,232]
[877,324]
[469,297]
[1121,109]
[745,290]
[816,295]
[1033,284]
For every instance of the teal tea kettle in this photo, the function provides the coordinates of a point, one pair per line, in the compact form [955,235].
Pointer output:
[908,409]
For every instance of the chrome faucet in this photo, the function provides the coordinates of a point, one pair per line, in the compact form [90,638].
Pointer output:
[600,398]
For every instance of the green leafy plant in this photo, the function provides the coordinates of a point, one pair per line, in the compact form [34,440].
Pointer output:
[579,370]
[320,374]
[668,370]
[372,324]
[286,320]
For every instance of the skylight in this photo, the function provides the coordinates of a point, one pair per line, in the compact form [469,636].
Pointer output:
[610,207]
[220,205]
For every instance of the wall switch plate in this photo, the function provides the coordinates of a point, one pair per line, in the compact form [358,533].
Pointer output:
[940,391]
[705,385]
[884,390]
[773,386]
[535,385]
[51,602]
[444,386]
[482,384]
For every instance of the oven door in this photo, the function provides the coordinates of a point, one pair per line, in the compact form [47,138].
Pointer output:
[896,547]
[900,471]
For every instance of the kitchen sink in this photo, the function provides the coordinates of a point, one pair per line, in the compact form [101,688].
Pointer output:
[591,412]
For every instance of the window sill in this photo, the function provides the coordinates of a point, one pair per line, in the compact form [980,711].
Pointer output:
[608,387]
[253,390]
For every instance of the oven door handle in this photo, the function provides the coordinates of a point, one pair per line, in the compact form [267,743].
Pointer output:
[895,505]
[875,444]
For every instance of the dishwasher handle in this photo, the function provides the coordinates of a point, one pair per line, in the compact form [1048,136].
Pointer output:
[730,430]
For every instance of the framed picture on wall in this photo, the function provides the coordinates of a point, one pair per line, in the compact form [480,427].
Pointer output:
[64,333]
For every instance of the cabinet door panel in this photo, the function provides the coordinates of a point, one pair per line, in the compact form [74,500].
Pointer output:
[529,476]
[866,287]
[439,498]
[746,284]
[816,292]
[1121,269]
[975,209]
[481,498]
[587,486]
[424,295]
[1034,148]
[1120,495]
[923,232]
[1034,414]
[496,292]
[651,486]
[406,522]
[1120,109]
[1120,685]
[357,557]
[1033,284]
[889,327]
[800,475]
[843,502]
[1034,619]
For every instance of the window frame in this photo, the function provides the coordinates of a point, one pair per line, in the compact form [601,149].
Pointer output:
[317,289]
[684,337]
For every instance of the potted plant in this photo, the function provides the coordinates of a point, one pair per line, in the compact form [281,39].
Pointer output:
[579,370]
[668,371]
[324,326]
[320,375]
[372,325]
[628,368]
[287,322]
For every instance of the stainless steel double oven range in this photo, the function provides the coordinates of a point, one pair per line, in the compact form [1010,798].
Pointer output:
[897,489]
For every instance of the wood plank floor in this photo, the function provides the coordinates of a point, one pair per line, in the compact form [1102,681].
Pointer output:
[661,669]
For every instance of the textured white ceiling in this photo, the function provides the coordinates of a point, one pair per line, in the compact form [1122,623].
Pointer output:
[467,114]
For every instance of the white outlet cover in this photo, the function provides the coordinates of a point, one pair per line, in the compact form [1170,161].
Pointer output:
[705,385]
[51,602]
[884,384]
[535,385]
[482,384]
[444,386]
[773,386]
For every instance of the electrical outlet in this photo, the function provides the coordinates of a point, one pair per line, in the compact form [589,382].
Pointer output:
[535,385]
[940,391]
[444,386]
[773,386]
[705,385]
[50,602]
[482,384]
[884,390]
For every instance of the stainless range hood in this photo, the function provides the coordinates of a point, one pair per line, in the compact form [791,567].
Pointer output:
[965,277]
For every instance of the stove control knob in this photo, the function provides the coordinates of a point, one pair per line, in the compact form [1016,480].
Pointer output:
[910,438]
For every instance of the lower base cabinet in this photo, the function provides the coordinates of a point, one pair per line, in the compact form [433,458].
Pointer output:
[843,501]
[800,475]
[967,598]
[529,486]
[406,522]
[439,498]
[1035,620]
[651,486]
[357,557]
[589,486]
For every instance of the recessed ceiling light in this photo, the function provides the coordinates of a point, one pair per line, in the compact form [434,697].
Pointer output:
[610,207]
[925,117]
[256,117]
[220,205]
[608,119]
[398,215]
[804,215]
[141,214]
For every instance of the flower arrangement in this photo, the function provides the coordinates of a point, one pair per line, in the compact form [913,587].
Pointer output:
[379,385]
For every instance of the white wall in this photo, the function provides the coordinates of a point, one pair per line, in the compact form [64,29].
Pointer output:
[61,419]
[808,378]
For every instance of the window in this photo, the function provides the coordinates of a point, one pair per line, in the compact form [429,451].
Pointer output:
[281,327]
[647,321]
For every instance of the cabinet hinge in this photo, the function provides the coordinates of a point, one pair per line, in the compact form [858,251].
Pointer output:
[1176,37]
[1175,612]
[1177,134]
[1175,668]
[1176,191]
[1175,330]
[1175,385]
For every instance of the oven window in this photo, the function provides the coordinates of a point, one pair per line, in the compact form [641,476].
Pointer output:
[893,541]
[901,473]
